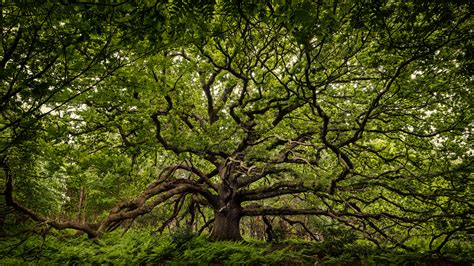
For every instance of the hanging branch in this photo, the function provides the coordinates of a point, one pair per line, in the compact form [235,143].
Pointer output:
[296,222]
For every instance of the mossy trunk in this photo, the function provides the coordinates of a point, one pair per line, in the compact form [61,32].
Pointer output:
[227,223]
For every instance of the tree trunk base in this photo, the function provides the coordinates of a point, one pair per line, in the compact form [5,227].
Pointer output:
[227,226]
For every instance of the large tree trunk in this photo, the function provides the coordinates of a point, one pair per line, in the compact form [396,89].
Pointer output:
[227,223]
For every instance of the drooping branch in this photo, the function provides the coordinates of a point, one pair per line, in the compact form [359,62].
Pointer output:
[206,225]
[90,229]
[302,224]
[164,188]
[278,189]
[158,195]
[178,204]
[258,211]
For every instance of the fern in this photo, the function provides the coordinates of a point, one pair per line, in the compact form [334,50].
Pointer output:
[184,247]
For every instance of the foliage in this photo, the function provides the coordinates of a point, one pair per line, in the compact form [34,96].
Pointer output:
[141,247]
[350,122]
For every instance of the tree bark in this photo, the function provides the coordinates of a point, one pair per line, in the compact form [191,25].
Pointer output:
[227,223]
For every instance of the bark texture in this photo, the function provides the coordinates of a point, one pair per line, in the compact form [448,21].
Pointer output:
[227,223]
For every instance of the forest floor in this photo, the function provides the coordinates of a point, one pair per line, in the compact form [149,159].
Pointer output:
[181,248]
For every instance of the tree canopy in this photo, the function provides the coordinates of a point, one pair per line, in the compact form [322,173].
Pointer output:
[329,114]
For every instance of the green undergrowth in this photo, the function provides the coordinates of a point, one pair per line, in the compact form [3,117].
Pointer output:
[182,247]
